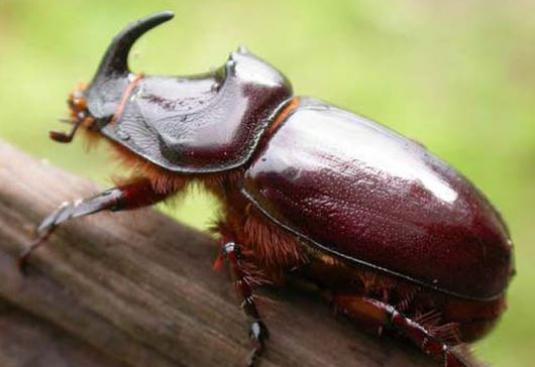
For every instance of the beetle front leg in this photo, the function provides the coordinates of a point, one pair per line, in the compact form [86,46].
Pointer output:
[258,331]
[377,315]
[131,196]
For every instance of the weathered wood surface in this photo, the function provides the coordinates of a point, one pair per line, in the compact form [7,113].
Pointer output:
[138,289]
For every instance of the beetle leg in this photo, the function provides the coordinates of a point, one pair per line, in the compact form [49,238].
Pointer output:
[377,315]
[131,196]
[258,331]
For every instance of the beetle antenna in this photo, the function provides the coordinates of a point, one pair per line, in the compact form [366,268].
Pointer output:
[61,137]
[115,60]
[65,121]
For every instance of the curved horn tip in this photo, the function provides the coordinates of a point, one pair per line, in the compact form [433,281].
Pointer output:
[161,17]
[144,24]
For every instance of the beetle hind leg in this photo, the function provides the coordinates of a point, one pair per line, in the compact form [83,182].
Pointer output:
[375,315]
[258,331]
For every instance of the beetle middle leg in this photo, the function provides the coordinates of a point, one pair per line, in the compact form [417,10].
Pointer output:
[129,196]
[374,314]
[258,331]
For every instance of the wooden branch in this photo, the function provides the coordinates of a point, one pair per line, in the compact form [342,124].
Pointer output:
[28,341]
[138,289]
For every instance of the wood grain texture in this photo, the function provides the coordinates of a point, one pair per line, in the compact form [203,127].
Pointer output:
[26,340]
[138,289]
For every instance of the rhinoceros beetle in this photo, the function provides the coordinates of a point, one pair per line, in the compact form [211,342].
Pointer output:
[395,238]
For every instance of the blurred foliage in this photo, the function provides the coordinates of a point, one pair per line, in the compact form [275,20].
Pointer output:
[457,75]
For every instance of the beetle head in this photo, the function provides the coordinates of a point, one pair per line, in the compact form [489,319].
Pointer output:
[93,106]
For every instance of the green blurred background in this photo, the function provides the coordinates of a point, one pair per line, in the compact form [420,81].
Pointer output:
[456,75]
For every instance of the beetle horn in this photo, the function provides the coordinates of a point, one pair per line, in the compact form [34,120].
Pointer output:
[115,60]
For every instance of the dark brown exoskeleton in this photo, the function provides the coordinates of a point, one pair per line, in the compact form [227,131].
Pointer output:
[396,239]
